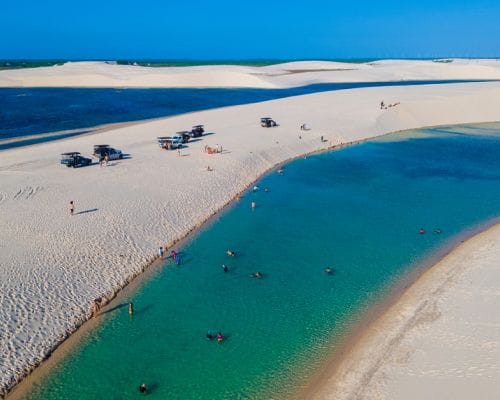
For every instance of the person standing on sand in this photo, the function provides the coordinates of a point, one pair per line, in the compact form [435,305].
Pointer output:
[106,159]
[71,207]
[160,252]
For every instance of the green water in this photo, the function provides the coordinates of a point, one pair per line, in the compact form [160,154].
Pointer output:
[358,210]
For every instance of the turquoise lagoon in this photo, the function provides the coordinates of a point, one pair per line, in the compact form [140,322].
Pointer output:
[357,210]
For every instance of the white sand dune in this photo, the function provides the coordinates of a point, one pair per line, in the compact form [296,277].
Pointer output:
[441,340]
[52,265]
[102,74]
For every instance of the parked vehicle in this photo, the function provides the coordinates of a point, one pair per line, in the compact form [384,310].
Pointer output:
[170,142]
[74,159]
[197,131]
[185,136]
[102,150]
[267,122]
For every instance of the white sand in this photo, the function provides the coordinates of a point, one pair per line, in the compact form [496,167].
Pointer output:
[53,265]
[440,341]
[101,74]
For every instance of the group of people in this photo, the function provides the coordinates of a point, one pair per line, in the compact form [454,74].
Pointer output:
[173,254]
[103,159]
[220,337]
[212,150]
[383,106]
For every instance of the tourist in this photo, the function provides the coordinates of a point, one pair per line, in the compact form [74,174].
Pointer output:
[253,205]
[209,335]
[106,159]
[143,388]
[131,309]
[71,207]
[230,253]
[161,252]
[225,268]
[257,275]
[220,337]
[421,231]
[328,270]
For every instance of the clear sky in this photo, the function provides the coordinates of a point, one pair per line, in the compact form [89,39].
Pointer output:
[252,29]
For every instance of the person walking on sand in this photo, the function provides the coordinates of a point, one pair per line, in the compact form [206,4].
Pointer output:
[71,207]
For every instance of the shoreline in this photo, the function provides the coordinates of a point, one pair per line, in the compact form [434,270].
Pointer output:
[350,340]
[318,385]
[267,160]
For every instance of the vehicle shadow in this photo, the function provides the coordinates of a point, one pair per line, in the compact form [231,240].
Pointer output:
[86,211]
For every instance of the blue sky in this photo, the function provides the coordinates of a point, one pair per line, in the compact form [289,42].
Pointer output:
[223,29]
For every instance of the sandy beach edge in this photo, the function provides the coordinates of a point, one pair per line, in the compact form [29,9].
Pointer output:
[198,225]
[341,351]
[322,384]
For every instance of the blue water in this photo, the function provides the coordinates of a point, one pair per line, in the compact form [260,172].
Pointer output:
[357,210]
[34,111]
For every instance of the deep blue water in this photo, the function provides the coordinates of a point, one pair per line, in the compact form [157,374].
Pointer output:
[34,111]
[357,210]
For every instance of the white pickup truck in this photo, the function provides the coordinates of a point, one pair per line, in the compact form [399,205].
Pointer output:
[170,142]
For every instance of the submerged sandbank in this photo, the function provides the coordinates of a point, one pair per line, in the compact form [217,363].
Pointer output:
[54,265]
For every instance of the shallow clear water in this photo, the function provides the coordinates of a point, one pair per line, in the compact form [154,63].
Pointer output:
[35,111]
[358,210]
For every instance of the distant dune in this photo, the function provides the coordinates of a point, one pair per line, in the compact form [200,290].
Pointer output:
[299,73]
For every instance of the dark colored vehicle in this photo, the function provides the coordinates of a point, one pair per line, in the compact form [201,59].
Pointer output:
[267,122]
[102,150]
[197,131]
[74,159]
[185,136]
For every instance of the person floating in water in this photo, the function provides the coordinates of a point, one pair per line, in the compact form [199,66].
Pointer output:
[328,270]
[437,231]
[421,231]
[209,335]
[225,268]
[257,275]
[266,190]
[220,337]
[143,388]
[230,253]
[255,188]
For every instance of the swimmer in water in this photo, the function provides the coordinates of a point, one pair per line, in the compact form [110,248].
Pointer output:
[257,275]
[220,337]
[255,188]
[225,268]
[266,190]
[230,253]
[328,270]
[143,388]
[209,335]
[437,231]
[421,231]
